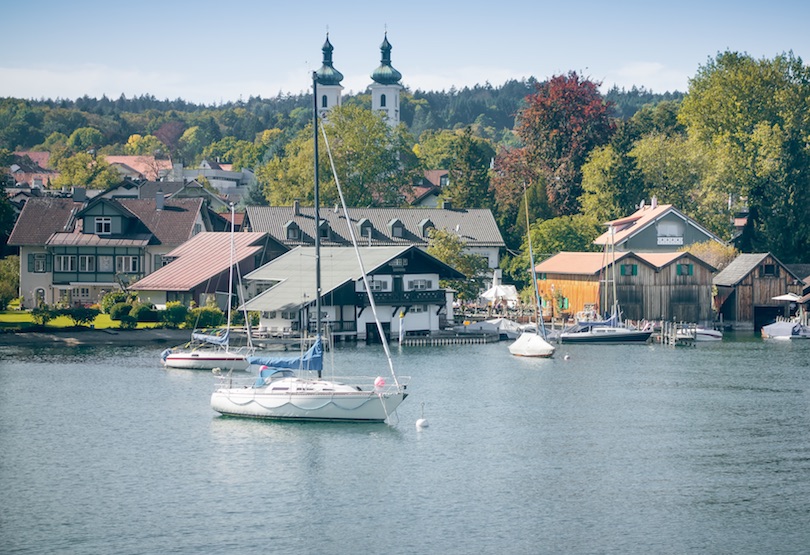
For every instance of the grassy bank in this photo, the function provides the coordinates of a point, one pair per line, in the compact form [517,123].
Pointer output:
[16,320]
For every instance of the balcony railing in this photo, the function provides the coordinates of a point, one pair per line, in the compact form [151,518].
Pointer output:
[403,297]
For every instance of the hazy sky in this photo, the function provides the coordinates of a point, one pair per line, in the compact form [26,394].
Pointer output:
[213,52]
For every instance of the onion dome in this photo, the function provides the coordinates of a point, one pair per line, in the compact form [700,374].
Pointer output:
[385,74]
[328,75]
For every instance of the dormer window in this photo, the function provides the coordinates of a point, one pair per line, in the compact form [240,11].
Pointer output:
[323,231]
[397,228]
[293,231]
[365,228]
[103,225]
[425,226]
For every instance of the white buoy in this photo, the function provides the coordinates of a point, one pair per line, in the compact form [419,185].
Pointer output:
[422,422]
[567,357]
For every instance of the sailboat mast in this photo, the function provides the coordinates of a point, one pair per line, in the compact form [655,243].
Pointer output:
[230,284]
[538,311]
[317,208]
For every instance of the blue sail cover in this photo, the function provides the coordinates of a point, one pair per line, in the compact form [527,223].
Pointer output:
[310,360]
[216,339]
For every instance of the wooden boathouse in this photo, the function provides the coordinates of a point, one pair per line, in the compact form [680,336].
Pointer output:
[651,286]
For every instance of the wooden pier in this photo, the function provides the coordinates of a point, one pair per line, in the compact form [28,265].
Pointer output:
[677,334]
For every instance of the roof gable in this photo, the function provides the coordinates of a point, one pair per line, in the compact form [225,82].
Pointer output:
[630,226]
[41,217]
[744,264]
[201,258]
[476,227]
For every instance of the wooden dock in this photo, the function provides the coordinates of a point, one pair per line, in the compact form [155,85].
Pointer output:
[677,334]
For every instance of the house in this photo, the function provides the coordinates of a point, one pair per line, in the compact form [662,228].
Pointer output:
[140,167]
[169,190]
[404,280]
[295,226]
[655,228]
[73,251]
[427,190]
[199,268]
[229,183]
[746,287]
[649,286]
[27,170]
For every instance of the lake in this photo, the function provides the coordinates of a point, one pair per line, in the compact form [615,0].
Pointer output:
[620,449]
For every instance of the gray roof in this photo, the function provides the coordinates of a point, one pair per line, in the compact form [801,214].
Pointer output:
[743,265]
[476,227]
[295,273]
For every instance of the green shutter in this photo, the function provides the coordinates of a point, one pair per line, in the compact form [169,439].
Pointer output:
[30,262]
[635,269]
[48,262]
[691,269]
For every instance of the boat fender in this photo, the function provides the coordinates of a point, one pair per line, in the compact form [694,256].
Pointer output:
[379,383]
[422,422]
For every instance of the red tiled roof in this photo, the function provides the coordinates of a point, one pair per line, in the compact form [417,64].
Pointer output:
[147,166]
[204,256]
[576,263]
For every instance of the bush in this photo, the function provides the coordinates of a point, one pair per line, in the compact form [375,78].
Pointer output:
[43,314]
[128,322]
[120,309]
[205,317]
[174,315]
[113,298]
[238,318]
[80,315]
[144,313]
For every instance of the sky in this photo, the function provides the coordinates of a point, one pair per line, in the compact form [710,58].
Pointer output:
[213,52]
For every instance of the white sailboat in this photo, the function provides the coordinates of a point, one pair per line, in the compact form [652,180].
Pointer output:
[532,343]
[287,389]
[207,351]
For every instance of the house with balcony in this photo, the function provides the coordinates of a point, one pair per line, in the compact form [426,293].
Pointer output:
[655,228]
[404,281]
[74,250]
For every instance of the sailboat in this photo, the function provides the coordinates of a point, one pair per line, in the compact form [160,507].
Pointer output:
[293,388]
[532,343]
[612,329]
[207,351]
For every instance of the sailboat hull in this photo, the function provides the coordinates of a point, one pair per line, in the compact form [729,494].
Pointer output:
[530,344]
[313,400]
[606,334]
[201,360]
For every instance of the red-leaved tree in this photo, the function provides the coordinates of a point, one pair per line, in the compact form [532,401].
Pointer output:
[562,122]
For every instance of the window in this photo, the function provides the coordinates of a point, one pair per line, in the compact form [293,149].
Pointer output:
[324,102]
[418,308]
[397,231]
[103,225]
[378,285]
[126,264]
[768,270]
[629,269]
[65,263]
[197,228]
[288,315]
[105,263]
[382,101]
[420,284]
[40,263]
[293,233]
[81,293]
[87,263]
[685,269]
[324,232]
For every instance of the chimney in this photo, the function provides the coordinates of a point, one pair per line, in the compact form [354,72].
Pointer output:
[79,194]
[447,204]
[159,199]
[296,208]
[654,202]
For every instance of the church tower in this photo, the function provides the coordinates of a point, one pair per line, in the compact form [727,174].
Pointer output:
[385,88]
[328,79]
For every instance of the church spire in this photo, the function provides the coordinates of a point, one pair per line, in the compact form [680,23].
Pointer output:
[386,74]
[328,75]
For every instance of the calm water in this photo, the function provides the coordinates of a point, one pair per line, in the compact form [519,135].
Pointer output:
[621,449]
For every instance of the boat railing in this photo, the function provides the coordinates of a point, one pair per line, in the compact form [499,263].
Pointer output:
[378,384]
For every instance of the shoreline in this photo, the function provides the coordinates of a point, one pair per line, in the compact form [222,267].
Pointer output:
[108,336]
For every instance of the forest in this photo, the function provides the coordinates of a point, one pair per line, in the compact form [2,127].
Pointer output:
[738,141]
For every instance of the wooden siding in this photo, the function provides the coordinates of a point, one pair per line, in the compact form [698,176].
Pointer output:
[755,290]
[646,293]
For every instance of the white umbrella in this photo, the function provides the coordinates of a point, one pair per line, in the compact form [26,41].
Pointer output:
[793,297]
[505,292]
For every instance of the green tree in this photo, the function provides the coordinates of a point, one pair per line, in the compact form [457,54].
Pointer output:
[435,149]
[469,172]
[752,117]
[140,145]
[85,170]
[9,280]
[85,139]
[449,248]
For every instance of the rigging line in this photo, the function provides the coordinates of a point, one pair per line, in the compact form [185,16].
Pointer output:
[538,304]
[372,304]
